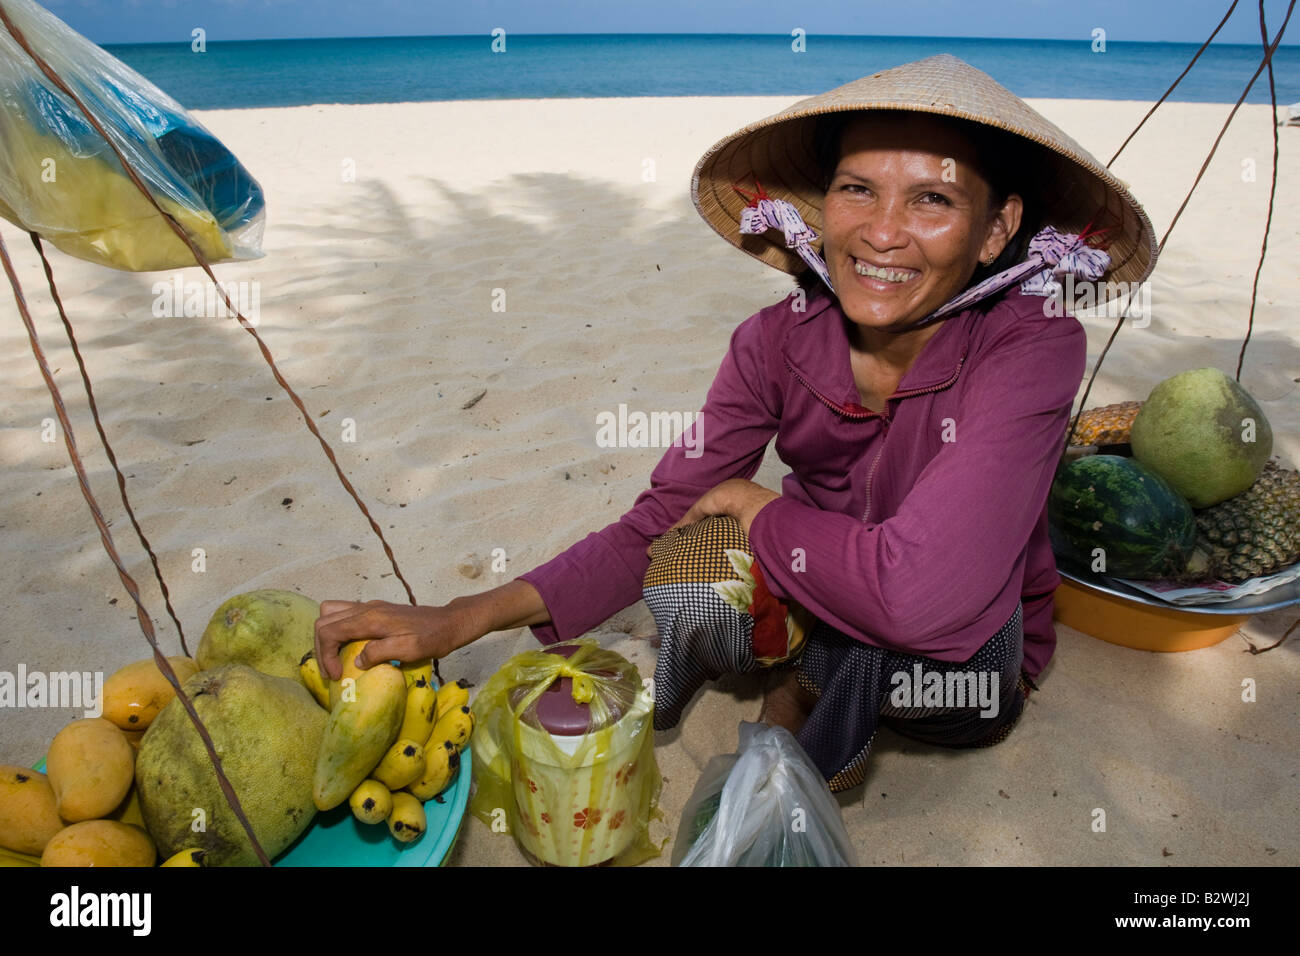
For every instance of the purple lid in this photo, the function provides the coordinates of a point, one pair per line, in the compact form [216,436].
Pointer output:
[556,710]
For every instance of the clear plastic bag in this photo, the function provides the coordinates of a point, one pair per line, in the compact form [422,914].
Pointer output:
[60,179]
[766,805]
[574,800]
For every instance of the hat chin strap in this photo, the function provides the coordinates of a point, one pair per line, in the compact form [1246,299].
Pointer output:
[1052,254]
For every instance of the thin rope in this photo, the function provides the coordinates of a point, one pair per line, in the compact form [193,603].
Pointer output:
[247,326]
[1186,70]
[1272,194]
[106,538]
[108,448]
[1266,62]
[1069,432]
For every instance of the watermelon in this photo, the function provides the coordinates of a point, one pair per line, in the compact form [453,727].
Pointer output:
[1145,528]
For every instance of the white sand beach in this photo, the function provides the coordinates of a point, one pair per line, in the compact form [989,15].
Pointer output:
[376,297]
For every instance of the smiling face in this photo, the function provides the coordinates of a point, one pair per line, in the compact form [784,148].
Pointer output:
[906,220]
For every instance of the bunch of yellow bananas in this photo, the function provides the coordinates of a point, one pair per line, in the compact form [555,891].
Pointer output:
[392,740]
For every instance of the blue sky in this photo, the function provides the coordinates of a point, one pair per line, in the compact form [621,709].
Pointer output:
[150,21]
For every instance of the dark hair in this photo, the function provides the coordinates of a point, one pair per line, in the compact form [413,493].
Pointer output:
[1007,162]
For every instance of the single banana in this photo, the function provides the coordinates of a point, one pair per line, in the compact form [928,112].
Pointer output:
[452,696]
[456,726]
[417,671]
[349,670]
[421,707]
[403,763]
[407,822]
[371,802]
[309,671]
[440,766]
[360,729]
[185,858]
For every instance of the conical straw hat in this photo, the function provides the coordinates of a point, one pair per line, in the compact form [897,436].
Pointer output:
[779,152]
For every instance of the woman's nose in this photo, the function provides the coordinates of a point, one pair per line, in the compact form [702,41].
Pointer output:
[883,225]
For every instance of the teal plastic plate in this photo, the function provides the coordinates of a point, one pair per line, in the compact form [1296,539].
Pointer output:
[337,838]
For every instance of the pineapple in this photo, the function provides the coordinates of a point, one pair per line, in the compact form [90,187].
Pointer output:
[1106,425]
[1256,532]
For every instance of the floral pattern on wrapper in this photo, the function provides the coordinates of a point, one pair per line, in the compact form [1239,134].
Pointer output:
[590,801]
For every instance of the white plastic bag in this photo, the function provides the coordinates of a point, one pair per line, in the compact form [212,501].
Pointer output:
[766,805]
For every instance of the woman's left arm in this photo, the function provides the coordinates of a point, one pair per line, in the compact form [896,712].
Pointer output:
[940,561]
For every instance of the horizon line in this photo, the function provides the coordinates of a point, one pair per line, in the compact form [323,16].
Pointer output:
[684,33]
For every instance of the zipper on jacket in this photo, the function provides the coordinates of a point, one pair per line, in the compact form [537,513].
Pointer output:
[868,413]
[833,406]
[870,473]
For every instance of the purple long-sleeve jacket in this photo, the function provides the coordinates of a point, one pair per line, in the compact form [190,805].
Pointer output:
[915,530]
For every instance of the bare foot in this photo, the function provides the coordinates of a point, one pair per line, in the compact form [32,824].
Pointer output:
[786,704]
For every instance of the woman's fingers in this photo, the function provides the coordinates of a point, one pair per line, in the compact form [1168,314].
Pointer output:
[328,608]
[401,647]
[712,502]
[693,514]
[347,621]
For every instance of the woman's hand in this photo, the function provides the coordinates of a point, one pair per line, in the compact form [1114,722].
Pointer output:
[396,632]
[738,497]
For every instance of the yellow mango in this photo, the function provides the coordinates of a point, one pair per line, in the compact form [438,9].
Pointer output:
[91,765]
[359,731]
[135,694]
[29,814]
[100,843]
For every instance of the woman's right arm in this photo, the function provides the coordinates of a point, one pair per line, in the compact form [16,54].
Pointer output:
[415,633]
[605,571]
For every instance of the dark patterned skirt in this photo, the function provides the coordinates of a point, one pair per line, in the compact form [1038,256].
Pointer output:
[715,616]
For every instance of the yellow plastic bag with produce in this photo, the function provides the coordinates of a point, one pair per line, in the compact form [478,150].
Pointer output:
[564,755]
[61,178]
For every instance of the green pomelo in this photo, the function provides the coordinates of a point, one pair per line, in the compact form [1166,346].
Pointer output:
[268,630]
[266,730]
[1204,434]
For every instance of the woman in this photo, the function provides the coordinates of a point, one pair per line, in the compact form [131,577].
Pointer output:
[903,575]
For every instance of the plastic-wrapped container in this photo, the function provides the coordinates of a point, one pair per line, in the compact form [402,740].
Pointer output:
[60,179]
[563,751]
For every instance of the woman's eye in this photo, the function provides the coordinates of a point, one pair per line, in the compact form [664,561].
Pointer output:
[940,197]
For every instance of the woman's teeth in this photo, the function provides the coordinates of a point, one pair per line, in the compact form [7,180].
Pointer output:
[888,275]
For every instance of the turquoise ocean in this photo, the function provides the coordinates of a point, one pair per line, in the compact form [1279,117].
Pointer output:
[260,73]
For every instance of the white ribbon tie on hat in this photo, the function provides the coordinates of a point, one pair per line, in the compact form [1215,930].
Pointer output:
[1063,253]
[768,214]
[1052,254]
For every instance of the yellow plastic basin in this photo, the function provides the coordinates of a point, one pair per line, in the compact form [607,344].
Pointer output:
[1139,626]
